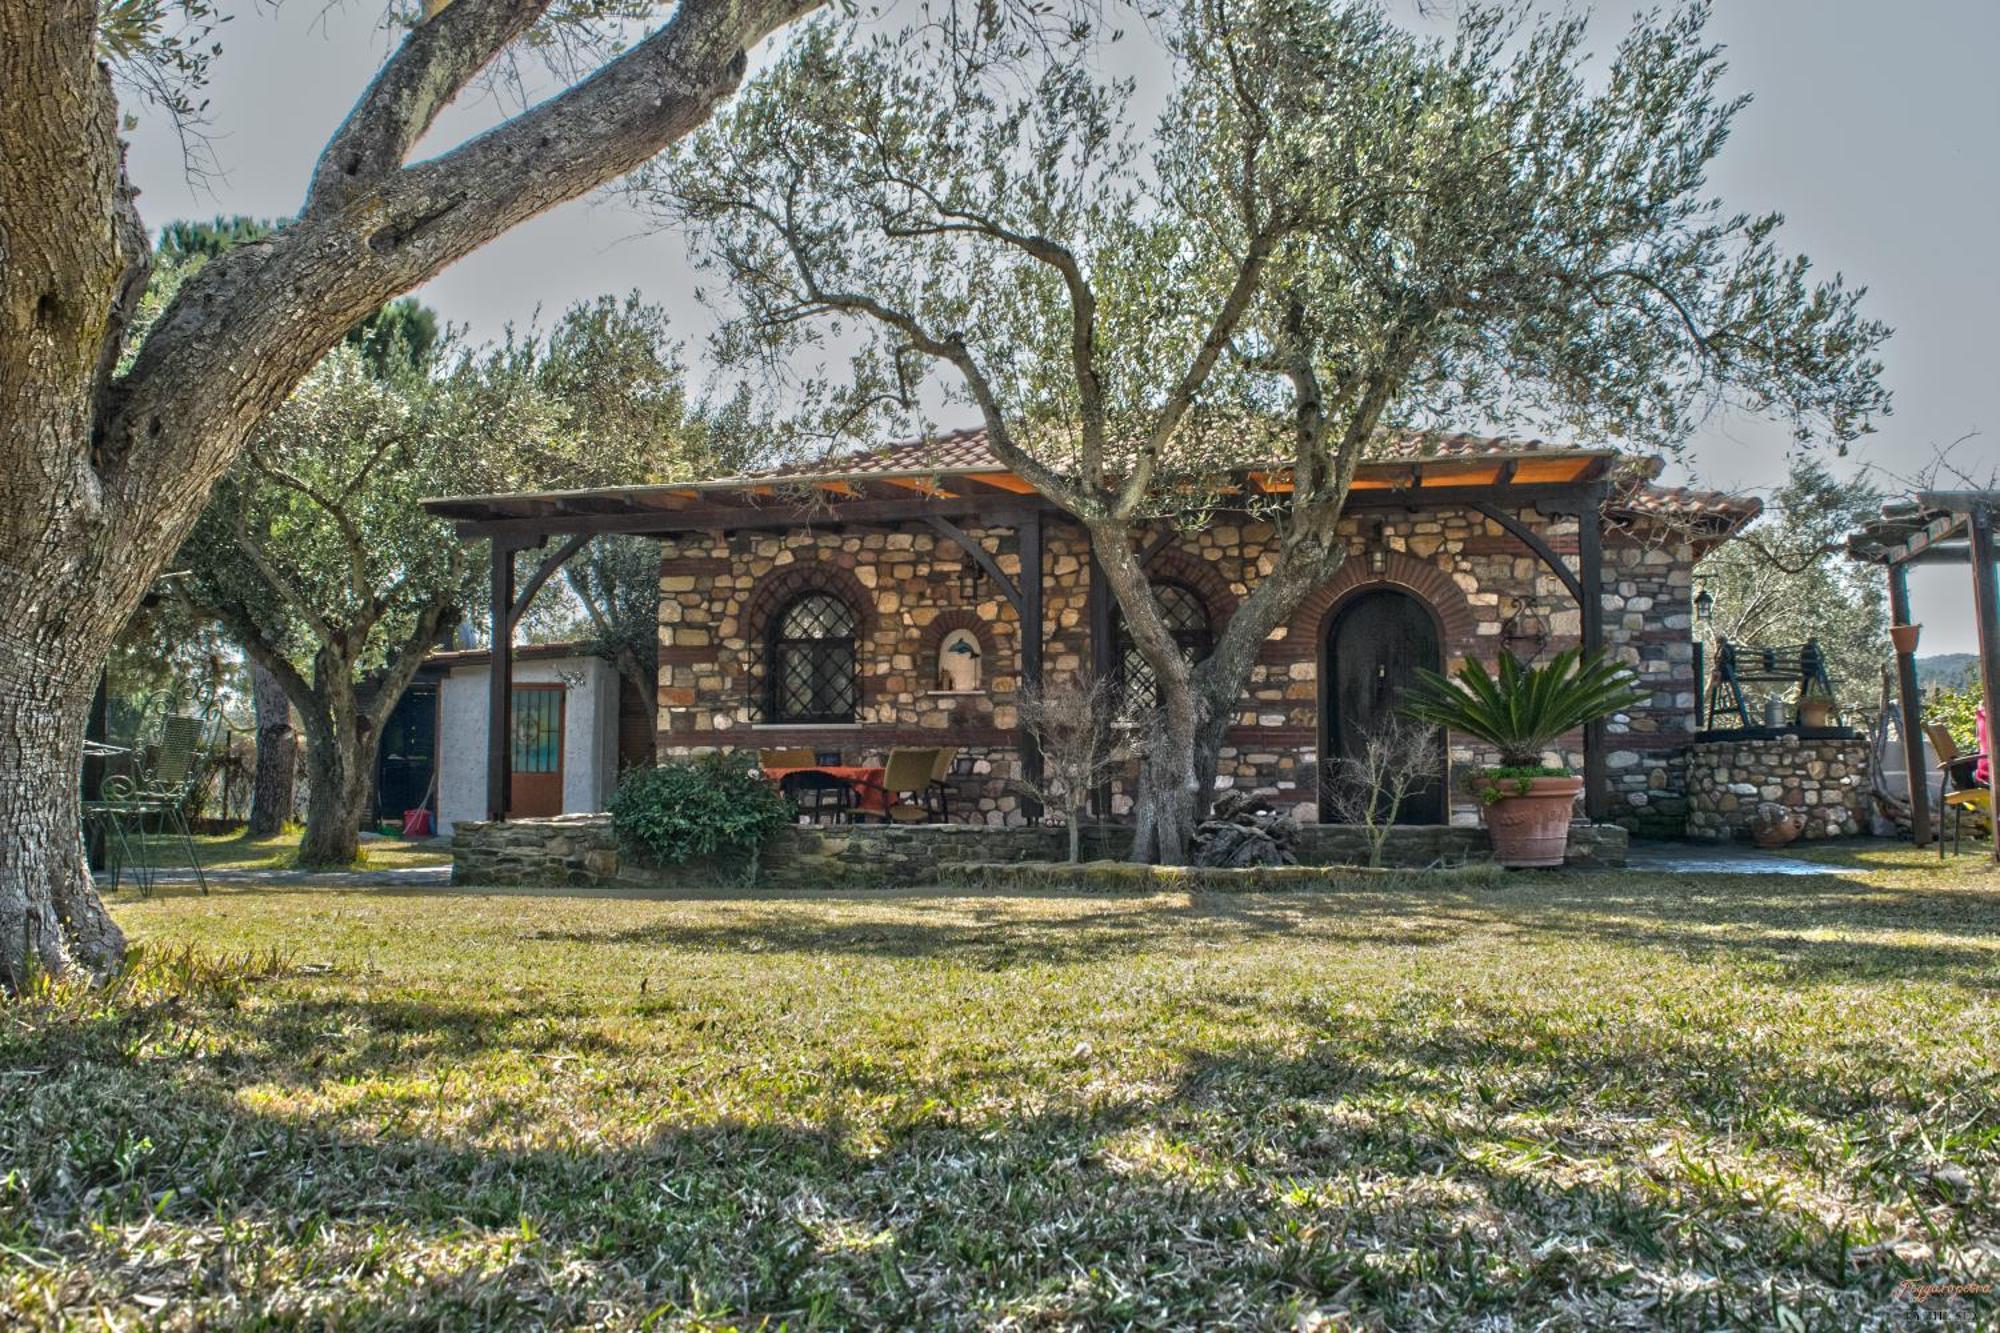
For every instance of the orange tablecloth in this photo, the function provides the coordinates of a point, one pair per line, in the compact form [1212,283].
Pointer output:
[867,782]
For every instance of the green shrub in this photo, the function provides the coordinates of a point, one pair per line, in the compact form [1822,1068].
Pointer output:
[692,808]
[1954,709]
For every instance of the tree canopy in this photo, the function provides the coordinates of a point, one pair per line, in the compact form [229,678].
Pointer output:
[1335,226]
[318,559]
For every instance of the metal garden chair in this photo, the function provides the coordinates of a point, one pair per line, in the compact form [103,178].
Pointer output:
[161,795]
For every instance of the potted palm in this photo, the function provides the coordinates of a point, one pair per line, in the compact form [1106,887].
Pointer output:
[1522,713]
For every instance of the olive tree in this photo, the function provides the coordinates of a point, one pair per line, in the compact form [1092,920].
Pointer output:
[1335,225]
[109,451]
[317,559]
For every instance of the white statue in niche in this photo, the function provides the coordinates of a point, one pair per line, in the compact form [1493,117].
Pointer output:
[958,662]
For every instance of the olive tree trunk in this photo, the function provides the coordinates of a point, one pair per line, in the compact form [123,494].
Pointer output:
[1199,701]
[277,755]
[103,471]
[340,766]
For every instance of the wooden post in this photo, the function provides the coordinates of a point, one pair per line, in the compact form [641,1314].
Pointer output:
[1030,532]
[1911,711]
[1986,617]
[1103,656]
[500,682]
[1590,573]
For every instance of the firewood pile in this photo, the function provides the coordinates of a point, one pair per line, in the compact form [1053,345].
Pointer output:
[1244,829]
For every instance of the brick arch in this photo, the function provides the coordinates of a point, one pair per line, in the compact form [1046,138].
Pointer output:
[1177,566]
[947,622]
[1401,571]
[776,589]
[780,586]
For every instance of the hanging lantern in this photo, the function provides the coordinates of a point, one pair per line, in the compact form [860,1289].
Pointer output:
[1523,634]
[1704,605]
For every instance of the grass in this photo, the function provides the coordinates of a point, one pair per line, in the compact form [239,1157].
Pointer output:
[1575,1101]
[240,851]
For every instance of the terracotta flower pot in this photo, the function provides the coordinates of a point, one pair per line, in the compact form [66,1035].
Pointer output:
[1905,637]
[1531,828]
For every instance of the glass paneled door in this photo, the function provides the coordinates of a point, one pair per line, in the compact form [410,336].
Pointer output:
[536,787]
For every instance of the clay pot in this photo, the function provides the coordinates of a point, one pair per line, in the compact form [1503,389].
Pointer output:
[1530,829]
[1815,712]
[1776,826]
[1905,637]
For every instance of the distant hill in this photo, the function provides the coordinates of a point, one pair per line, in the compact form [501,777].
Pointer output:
[1947,669]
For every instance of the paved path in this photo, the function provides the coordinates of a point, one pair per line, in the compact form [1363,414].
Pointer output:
[1693,858]
[429,876]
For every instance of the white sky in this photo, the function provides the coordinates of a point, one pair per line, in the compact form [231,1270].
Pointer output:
[1874,130]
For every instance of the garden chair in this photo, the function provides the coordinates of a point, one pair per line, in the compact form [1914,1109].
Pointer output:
[161,795]
[820,797]
[1959,788]
[906,789]
[939,789]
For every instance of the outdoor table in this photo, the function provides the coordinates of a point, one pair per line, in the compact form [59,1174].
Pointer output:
[869,796]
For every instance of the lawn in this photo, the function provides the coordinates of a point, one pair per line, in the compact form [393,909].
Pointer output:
[1575,1101]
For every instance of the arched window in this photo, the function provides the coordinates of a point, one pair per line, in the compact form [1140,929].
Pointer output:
[1187,622]
[812,674]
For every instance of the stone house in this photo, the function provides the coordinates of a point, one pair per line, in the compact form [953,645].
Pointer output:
[878,600]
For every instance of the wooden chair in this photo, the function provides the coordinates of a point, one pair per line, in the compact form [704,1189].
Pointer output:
[1959,790]
[821,797]
[796,757]
[906,788]
[941,770]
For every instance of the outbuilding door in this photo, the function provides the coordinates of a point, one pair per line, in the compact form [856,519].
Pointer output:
[1374,644]
[536,787]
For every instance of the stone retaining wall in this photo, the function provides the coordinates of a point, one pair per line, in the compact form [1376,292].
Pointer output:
[1728,780]
[582,850]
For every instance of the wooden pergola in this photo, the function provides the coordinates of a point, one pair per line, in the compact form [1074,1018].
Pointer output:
[954,483]
[1949,528]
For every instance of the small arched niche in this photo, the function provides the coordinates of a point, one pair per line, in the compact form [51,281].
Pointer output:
[961,664]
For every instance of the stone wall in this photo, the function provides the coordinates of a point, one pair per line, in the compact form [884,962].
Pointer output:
[910,588]
[582,850]
[1828,779]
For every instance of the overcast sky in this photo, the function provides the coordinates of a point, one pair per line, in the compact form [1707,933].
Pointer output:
[1874,129]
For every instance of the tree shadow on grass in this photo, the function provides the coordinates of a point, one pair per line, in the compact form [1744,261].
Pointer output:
[1362,1175]
[1802,928]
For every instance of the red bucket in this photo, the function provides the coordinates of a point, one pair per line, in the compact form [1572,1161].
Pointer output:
[417,823]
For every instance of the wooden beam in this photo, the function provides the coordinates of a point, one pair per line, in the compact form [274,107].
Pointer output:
[1923,539]
[1911,711]
[729,518]
[1959,502]
[1103,656]
[1590,575]
[500,681]
[982,557]
[1986,619]
[549,566]
[1159,543]
[1030,531]
[1531,539]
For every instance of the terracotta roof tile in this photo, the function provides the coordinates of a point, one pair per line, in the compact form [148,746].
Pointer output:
[967,449]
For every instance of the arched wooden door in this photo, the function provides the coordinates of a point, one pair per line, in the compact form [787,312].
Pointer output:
[1374,643]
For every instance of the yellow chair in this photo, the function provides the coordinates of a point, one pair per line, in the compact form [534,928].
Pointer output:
[906,788]
[801,757]
[1958,790]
